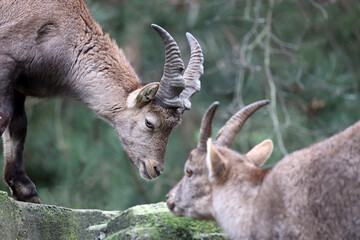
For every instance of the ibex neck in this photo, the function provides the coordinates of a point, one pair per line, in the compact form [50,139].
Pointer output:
[235,212]
[104,78]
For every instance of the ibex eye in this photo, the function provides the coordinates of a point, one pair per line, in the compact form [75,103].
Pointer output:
[149,124]
[188,172]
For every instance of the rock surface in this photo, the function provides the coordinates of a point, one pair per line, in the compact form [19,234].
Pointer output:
[20,220]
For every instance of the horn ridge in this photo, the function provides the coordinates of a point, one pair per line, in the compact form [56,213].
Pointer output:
[172,82]
[227,133]
[176,89]
[193,71]
[206,126]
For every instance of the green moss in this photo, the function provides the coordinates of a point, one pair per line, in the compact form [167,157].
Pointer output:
[157,208]
[57,222]
[155,221]
[7,216]
[20,220]
[161,216]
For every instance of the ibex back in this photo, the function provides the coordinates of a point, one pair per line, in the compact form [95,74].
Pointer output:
[313,193]
[55,48]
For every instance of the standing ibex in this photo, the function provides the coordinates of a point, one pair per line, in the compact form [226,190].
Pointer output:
[55,48]
[313,193]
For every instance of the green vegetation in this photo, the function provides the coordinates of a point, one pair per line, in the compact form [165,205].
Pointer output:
[157,221]
[302,55]
[154,221]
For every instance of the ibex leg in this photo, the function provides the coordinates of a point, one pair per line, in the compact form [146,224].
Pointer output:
[7,78]
[22,188]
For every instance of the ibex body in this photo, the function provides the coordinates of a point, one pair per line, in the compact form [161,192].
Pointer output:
[312,193]
[54,48]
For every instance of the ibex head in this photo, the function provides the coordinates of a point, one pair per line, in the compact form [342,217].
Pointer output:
[154,110]
[193,195]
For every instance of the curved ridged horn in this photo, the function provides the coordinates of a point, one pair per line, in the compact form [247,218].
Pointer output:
[172,82]
[193,71]
[206,126]
[228,132]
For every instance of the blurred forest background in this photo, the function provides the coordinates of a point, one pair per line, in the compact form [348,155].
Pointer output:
[302,55]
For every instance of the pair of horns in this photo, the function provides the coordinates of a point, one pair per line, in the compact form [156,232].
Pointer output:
[175,89]
[227,133]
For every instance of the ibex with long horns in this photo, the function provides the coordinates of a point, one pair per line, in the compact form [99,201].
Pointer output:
[312,193]
[55,48]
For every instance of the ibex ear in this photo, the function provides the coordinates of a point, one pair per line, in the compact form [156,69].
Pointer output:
[147,92]
[261,152]
[214,161]
[143,95]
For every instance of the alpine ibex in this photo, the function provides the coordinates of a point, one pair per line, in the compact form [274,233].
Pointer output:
[313,193]
[55,48]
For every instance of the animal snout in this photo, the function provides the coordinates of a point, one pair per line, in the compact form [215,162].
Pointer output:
[154,168]
[170,205]
[170,201]
[157,171]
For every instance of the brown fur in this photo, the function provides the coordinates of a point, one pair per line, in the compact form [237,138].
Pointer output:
[312,193]
[317,189]
[55,48]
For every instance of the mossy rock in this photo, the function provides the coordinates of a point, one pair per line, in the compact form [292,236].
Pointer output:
[20,220]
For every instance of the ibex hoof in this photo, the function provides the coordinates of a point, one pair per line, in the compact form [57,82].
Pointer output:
[24,190]
[34,199]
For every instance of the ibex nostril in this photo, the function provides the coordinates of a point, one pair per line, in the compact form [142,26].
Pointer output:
[167,196]
[158,173]
[171,206]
